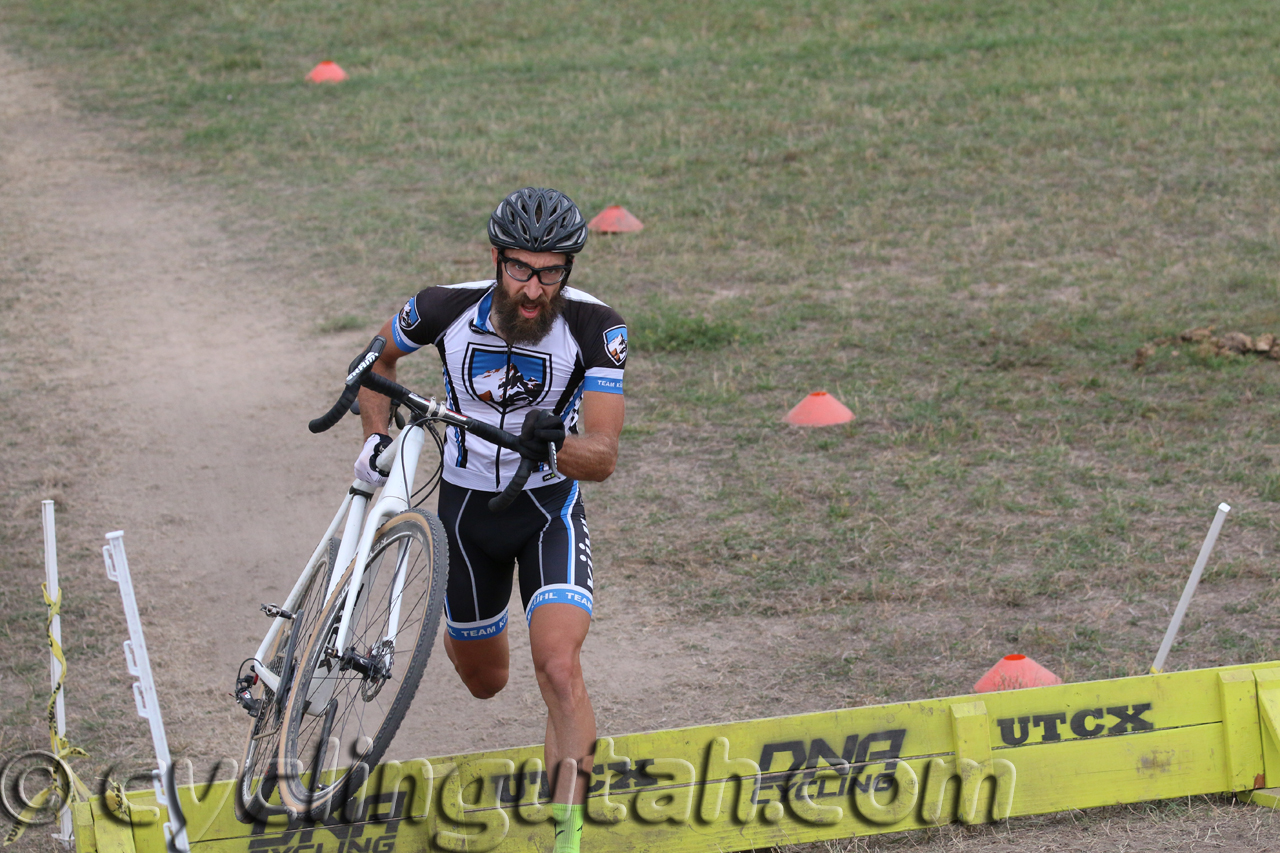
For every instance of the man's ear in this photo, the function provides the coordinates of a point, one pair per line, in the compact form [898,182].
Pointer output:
[493,253]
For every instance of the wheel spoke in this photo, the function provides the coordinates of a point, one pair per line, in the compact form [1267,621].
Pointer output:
[368,704]
[259,782]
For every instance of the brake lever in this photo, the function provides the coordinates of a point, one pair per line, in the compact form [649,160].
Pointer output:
[362,363]
[551,458]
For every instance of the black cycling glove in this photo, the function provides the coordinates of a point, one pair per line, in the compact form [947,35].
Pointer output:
[540,429]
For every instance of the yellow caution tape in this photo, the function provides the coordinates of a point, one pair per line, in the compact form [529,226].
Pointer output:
[28,816]
[116,802]
[60,747]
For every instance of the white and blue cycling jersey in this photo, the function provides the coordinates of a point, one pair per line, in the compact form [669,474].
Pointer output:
[493,381]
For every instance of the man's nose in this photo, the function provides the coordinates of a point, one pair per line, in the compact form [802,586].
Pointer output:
[533,289]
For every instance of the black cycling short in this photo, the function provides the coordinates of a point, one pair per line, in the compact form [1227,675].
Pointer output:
[545,531]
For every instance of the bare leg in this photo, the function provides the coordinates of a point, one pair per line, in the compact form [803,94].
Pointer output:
[556,633]
[483,664]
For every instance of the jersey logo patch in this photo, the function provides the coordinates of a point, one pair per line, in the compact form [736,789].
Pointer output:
[409,314]
[615,343]
[521,382]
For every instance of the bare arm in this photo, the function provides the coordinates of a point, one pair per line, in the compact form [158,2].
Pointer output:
[592,454]
[375,409]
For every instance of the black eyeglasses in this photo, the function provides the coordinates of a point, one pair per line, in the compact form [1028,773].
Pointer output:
[547,276]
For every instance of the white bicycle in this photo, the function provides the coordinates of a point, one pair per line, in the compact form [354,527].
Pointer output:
[337,669]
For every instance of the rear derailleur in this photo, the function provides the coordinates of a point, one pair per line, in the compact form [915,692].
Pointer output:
[244,693]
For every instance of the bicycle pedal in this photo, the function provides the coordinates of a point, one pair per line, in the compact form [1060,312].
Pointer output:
[274,610]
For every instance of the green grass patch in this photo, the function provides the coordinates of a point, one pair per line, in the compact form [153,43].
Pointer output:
[342,323]
[959,218]
[663,326]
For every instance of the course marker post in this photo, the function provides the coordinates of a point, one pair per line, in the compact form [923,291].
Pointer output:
[54,593]
[1190,589]
[144,693]
[65,789]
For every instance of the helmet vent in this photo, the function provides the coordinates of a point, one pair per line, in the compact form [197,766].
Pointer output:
[538,220]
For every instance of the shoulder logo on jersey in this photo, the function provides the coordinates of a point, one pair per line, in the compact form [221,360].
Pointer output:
[523,381]
[615,343]
[409,314]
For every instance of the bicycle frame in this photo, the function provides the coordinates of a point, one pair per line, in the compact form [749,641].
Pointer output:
[393,500]
[357,541]
[329,640]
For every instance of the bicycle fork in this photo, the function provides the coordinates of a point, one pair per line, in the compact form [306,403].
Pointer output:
[375,665]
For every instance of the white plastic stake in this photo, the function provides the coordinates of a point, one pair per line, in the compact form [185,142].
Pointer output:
[55,630]
[144,693]
[1190,589]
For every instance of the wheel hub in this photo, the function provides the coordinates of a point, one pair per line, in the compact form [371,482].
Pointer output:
[375,667]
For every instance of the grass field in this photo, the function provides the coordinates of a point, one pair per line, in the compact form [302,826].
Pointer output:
[961,218]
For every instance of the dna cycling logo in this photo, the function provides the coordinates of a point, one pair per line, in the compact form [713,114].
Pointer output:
[507,382]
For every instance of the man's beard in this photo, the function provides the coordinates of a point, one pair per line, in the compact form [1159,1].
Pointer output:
[518,329]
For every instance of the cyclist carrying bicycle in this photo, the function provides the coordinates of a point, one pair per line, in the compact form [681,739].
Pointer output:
[522,351]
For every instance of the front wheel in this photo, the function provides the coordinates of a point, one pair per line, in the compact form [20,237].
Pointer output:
[257,788]
[346,704]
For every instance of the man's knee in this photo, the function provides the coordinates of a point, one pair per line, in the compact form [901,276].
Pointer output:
[484,682]
[561,673]
[556,633]
[483,665]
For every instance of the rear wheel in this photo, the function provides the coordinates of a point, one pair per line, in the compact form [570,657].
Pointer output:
[347,703]
[257,788]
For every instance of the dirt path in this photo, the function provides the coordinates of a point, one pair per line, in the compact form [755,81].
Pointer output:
[201,377]
[193,376]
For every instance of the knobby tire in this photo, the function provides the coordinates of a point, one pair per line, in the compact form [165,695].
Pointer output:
[334,716]
[259,771]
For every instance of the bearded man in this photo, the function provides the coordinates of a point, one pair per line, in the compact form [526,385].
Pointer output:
[522,351]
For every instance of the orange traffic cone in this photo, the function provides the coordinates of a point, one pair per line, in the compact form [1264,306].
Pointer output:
[327,72]
[615,219]
[1014,672]
[819,409]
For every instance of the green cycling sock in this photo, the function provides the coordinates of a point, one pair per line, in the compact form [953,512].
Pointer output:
[568,826]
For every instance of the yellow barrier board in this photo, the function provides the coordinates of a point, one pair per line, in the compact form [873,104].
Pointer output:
[786,780]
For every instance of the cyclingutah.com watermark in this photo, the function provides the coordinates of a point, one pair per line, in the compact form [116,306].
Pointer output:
[35,786]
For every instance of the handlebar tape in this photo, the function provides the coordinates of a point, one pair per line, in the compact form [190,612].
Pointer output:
[514,488]
[335,414]
[479,429]
[493,435]
[357,370]
[384,386]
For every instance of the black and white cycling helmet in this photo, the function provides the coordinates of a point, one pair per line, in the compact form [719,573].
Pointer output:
[538,220]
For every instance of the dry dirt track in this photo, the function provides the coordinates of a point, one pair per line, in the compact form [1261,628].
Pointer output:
[192,376]
[200,378]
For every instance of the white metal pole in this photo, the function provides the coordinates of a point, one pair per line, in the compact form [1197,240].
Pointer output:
[144,693]
[1190,589]
[55,631]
